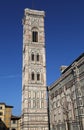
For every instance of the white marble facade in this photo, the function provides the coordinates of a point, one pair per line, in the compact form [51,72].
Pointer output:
[34,104]
[66,98]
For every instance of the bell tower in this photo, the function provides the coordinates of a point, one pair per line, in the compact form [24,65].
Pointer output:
[34,103]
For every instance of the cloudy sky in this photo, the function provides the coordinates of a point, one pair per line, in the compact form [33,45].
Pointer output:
[64,32]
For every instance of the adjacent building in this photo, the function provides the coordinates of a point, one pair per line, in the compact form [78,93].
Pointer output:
[5,114]
[15,123]
[34,104]
[7,120]
[66,98]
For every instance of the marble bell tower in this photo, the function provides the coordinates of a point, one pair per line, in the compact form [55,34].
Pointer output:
[34,98]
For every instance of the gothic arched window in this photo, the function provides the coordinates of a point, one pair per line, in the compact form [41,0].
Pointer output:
[38,77]
[37,57]
[34,34]
[32,76]
[32,57]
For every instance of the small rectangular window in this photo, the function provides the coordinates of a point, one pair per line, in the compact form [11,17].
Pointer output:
[0,107]
[1,113]
[14,121]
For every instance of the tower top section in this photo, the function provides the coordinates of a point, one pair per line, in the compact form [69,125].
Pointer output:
[28,11]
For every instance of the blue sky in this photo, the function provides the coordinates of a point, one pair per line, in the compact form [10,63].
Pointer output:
[64,32]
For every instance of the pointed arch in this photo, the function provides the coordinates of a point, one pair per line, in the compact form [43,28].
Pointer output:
[32,76]
[32,57]
[37,57]
[34,34]
[38,76]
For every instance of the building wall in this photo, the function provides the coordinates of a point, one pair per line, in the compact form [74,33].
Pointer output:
[6,114]
[19,124]
[16,124]
[66,98]
[2,110]
[34,105]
